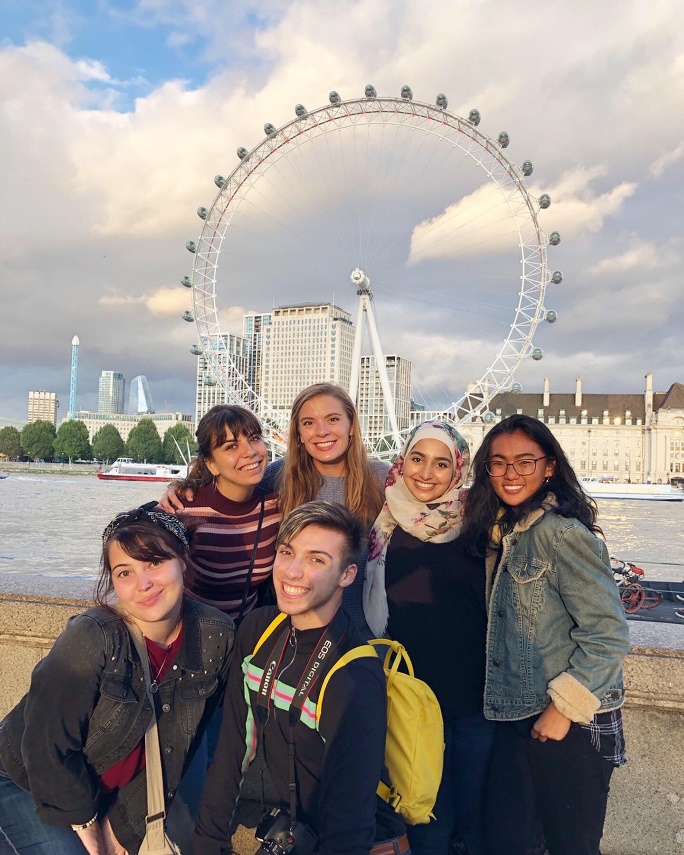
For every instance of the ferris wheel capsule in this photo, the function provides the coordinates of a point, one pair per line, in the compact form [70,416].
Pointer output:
[504,139]
[195,349]
[191,246]
[269,129]
[474,117]
[334,97]
[407,93]
[527,168]
[370,91]
[301,111]
[202,213]
[556,277]
[188,316]
[551,317]
[516,388]
[441,101]
[544,201]
[209,380]
[186,282]
[537,353]
[242,152]
[488,417]
[554,238]
[219,181]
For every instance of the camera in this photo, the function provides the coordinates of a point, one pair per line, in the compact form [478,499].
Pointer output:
[279,835]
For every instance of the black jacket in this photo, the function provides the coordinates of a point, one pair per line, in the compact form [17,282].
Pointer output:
[338,766]
[87,708]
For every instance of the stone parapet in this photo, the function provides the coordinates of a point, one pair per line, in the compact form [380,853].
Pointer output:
[646,806]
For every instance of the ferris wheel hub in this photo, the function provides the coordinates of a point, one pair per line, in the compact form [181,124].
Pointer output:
[360,281]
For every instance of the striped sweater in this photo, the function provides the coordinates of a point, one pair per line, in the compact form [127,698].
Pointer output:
[222,542]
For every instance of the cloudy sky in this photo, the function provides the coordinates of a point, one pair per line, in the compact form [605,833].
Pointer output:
[116,116]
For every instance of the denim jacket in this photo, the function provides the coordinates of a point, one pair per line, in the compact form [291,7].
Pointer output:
[557,628]
[87,708]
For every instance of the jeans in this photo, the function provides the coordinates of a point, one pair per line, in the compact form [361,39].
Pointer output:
[557,787]
[468,742]
[22,832]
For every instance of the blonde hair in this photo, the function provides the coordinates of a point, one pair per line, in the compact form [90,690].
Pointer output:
[300,481]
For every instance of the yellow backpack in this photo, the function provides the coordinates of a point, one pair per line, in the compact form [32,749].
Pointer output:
[414,747]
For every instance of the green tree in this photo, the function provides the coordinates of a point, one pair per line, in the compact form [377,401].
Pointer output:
[144,443]
[37,438]
[72,441]
[10,442]
[182,436]
[107,444]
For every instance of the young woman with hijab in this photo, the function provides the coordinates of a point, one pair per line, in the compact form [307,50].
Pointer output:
[424,591]
[72,752]
[325,459]
[556,639]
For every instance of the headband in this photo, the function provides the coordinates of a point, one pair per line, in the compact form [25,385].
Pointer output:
[146,513]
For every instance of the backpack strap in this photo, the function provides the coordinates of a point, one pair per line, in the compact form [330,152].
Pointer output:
[361,652]
[273,625]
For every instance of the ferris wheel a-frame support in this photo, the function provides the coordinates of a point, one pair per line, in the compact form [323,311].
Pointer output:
[365,313]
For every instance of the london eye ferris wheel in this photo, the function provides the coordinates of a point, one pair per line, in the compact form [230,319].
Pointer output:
[425,214]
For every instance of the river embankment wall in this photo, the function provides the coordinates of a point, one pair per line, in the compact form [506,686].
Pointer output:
[646,806]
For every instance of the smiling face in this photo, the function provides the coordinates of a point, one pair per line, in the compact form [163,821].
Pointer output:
[324,431]
[238,463]
[428,470]
[309,575]
[151,592]
[513,489]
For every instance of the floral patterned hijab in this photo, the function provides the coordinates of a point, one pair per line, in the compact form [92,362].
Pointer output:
[436,522]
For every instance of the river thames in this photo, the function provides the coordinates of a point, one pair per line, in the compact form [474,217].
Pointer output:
[51,525]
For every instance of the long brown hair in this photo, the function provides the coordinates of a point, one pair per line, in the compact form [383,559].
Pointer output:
[211,432]
[300,481]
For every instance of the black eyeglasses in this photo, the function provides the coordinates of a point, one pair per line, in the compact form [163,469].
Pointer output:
[497,468]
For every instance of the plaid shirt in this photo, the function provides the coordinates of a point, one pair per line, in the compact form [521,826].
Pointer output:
[607,736]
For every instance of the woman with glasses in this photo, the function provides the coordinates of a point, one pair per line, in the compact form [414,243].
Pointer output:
[556,639]
[424,591]
[72,752]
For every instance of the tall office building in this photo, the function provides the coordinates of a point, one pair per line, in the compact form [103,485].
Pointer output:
[253,330]
[111,394]
[43,405]
[371,401]
[73,381]
[209,390]
[140,399]
[305,344]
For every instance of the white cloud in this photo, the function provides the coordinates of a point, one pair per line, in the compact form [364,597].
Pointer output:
[666,160]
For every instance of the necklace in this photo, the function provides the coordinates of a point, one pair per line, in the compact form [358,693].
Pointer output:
[154,685]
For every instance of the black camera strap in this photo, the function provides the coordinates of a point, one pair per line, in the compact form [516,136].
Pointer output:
[250,571]
[320,661]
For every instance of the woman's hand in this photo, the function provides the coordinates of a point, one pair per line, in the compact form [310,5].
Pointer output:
[170,502]
[551,724]
[99,839]
[112,845]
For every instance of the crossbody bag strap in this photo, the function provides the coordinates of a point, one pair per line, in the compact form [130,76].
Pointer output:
[156,810]
[255,548]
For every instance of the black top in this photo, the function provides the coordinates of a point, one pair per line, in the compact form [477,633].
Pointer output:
[437,610]
[337,767]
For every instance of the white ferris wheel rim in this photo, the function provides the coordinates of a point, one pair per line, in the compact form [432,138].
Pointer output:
[486,152]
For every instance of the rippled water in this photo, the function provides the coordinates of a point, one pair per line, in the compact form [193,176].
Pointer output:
[51,524]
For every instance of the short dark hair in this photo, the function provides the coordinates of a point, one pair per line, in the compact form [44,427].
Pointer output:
[329,515]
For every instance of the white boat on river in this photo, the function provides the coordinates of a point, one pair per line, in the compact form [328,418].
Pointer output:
[641,492]
[124,469]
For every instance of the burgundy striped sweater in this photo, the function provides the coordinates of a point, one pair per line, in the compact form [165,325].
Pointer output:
[223,535]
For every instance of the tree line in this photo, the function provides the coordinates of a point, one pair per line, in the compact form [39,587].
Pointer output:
[40,441]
